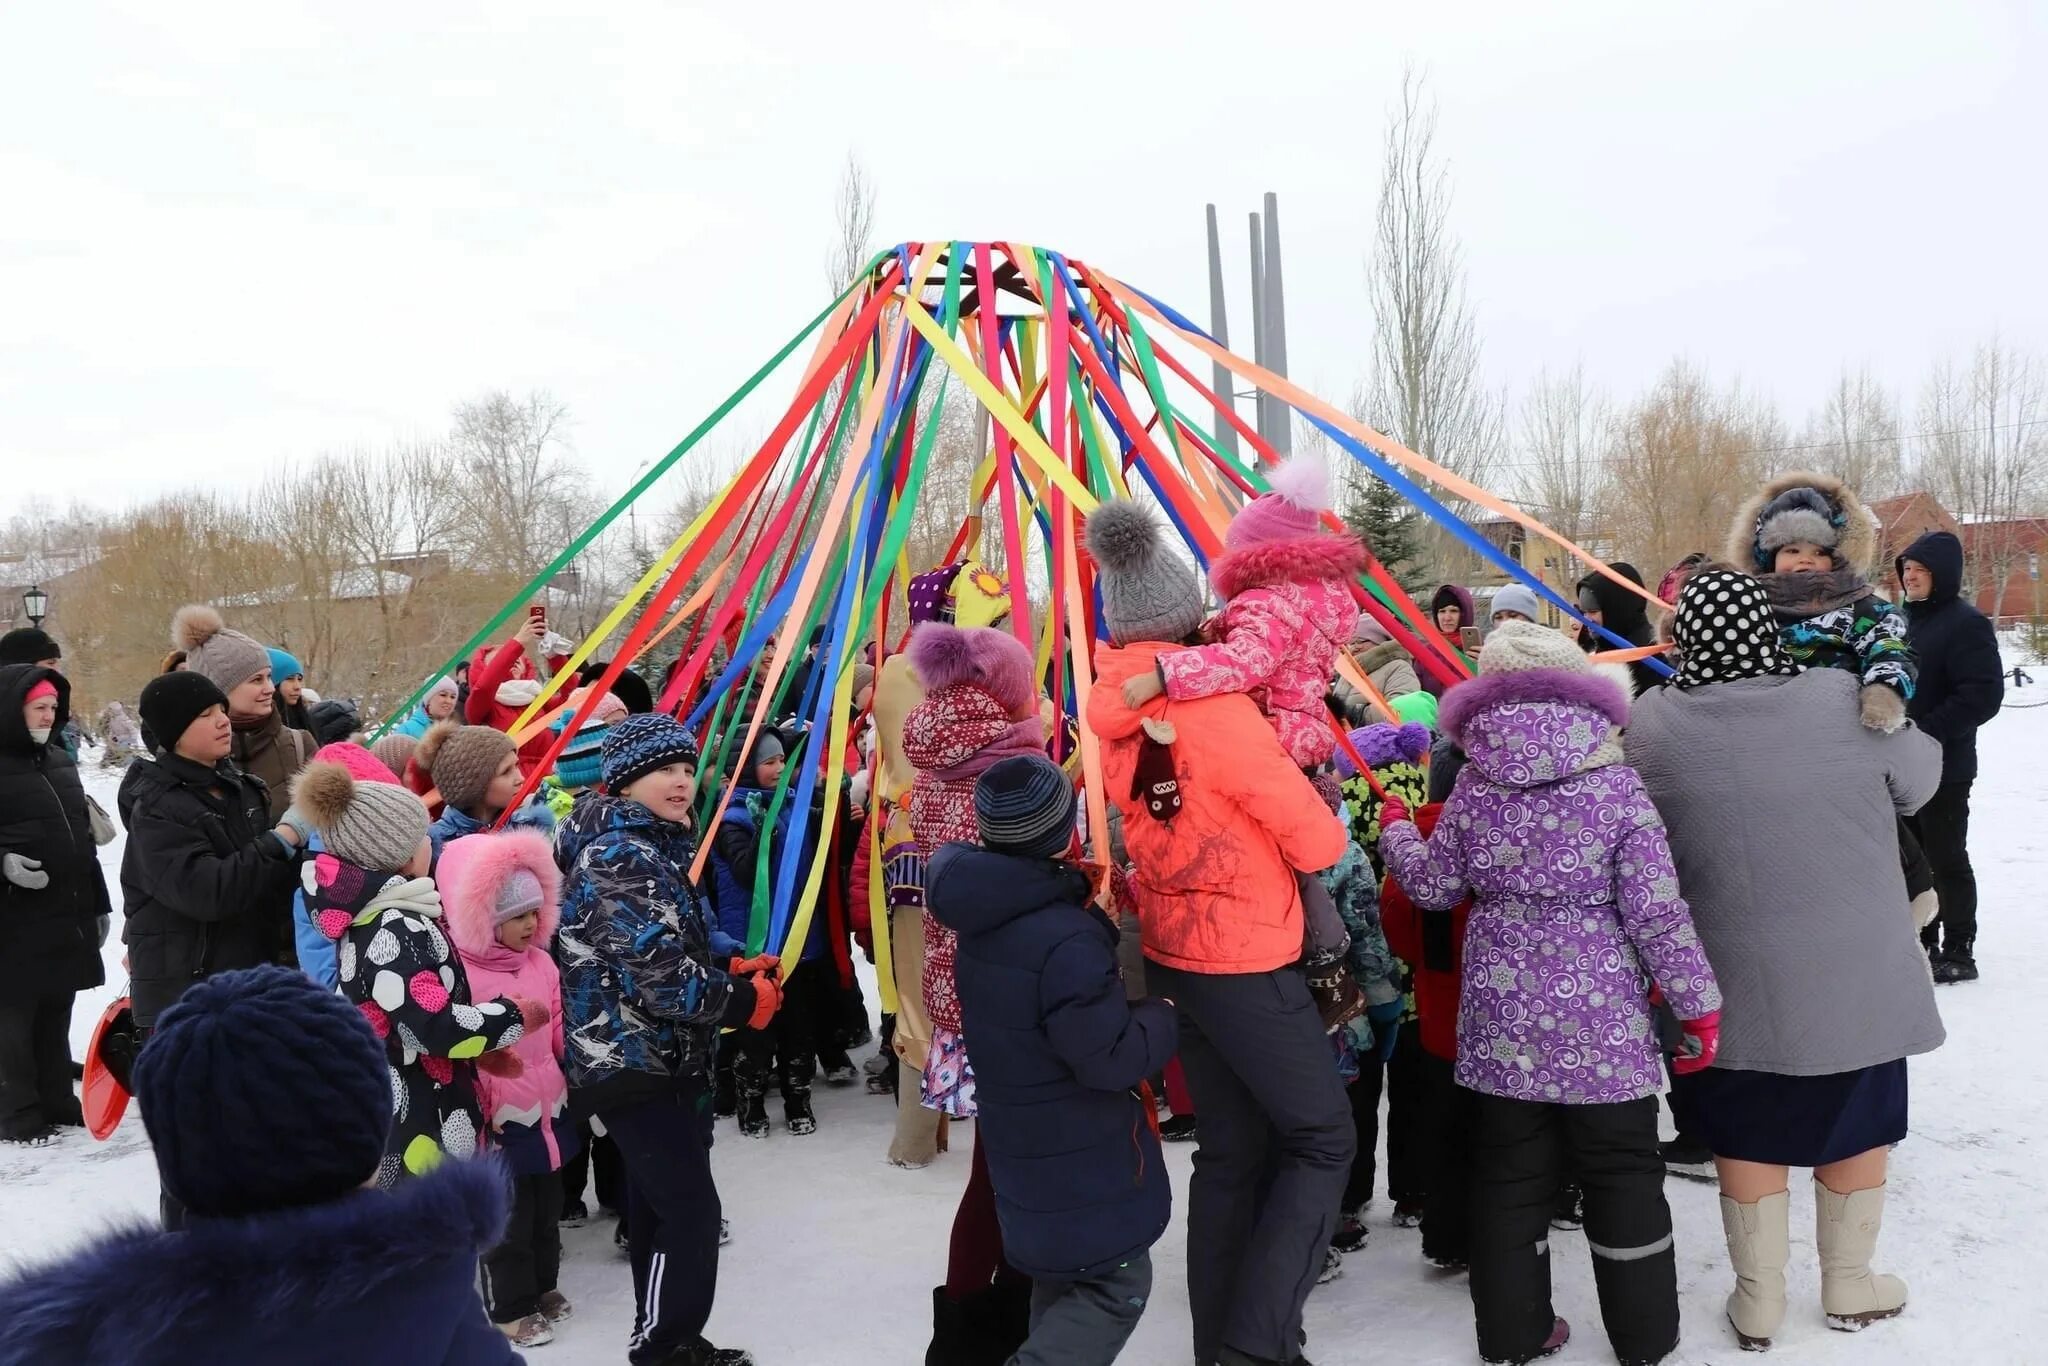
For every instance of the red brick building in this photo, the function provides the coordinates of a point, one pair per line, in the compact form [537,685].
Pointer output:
[2017,547]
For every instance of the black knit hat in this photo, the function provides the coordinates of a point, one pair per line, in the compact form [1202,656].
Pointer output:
[261,1092]
[640,744]
[173,701]
[1025,806]
[28,645]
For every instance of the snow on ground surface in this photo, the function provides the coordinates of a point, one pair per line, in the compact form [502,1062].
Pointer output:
[834,1252]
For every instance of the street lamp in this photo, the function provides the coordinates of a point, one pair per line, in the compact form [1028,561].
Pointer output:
[36,603]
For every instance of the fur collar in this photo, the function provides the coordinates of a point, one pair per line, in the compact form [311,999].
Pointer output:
[1379,656]
[1488,691]
[1859,532]
[136,1291]
[1321,556]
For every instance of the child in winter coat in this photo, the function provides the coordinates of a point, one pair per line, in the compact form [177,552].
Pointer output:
[1290,611]
[1810,542]
[370,893]
[1061,1059]
[502,893]
[747,850]
[1399,759]
[1576,914]
[477,772]
[318,954]
[645,987]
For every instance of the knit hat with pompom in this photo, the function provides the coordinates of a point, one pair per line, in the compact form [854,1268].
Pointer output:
[1300,493]
[982,657]
[462,760]
[1148,592]
[261,1091]
[374,824]
[227,657]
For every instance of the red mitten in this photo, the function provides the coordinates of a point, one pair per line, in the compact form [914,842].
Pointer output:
[534,1014]
[1701,1043]
[1392,811]
[767,1000]
[761,962]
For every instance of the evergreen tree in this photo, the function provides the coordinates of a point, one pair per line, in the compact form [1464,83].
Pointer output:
[1390,530]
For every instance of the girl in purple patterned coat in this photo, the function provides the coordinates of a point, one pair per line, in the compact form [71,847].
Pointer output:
[1576,924]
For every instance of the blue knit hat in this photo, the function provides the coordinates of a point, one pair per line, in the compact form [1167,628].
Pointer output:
[581,762]
[283,665]
[1025,806]
[639,745]
[261,1091]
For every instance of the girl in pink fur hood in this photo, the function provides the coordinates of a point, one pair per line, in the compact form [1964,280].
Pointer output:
[502,897]
[1290,611]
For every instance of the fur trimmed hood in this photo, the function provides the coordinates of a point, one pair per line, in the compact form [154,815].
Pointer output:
[1305,559]
[471,873]
[1858,547]
[308,1285]
[1467,704]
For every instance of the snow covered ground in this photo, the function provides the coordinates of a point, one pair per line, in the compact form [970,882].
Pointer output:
[834,1252]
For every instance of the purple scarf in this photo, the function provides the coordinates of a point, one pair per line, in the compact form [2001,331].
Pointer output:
[1021,738]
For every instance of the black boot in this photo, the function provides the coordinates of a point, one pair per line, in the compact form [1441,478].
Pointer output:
[796,1072]
[1958,963]
[752,1085]
[725,1096]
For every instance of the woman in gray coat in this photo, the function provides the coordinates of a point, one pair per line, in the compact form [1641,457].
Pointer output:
[1781,808]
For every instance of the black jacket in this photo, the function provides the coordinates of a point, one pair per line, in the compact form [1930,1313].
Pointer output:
[49,941]
[1962,678]
[206,886]
[1080,1183]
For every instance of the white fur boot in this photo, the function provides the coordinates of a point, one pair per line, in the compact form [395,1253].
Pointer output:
[1758,1248]
[1846,1229]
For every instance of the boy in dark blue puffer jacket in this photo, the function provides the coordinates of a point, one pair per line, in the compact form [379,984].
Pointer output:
[1060,1059]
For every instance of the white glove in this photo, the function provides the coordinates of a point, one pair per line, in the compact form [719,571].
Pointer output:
[26,873]
[298,822]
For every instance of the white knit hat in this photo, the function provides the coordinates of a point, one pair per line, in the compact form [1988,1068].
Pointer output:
[1518,646]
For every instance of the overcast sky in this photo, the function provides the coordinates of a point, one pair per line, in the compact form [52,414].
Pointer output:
[232,236]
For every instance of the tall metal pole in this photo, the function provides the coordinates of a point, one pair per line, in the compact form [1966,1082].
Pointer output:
[1219,328]
[1273,327]
[1258,323]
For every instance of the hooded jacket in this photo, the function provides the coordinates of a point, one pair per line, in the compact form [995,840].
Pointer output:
[49,939]
[1216,885]
[643,981]
[523,1115]
[1449,595]
[395,964]
[1290,611]
[383,1276]
[1962,681]
[205,885]
[1625,614]
[1058,1054]
[1820,964]
[1576,907]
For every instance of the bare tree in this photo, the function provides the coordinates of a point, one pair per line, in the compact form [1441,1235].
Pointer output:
[853,225]
[1985,452]
[522,498]
[1564,434]
[1425,388]
[1855,436]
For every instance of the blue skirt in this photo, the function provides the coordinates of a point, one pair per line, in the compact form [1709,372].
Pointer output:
[1784,1121]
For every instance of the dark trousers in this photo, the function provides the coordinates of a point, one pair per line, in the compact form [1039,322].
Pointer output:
[522,1268]
[597,1157]
[672,1216]
[1086,1323]
[807,1030]
[1274,1150]
[1446,1142]
[35,1064]
[1400,1080]
[1522,1152]
[1943,829]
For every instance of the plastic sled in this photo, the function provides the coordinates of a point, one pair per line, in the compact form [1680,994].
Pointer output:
[108,1059]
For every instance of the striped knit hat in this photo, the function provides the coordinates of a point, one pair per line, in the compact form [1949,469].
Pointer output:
[1025,806]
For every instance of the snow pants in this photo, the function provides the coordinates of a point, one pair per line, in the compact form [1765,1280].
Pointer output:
[672,1216]
[1400,1080]
[1274,1151]
[1086,1323]
[1943,827]
[1446,1140]
[1523,1151]
[519,1270]
[35,1064]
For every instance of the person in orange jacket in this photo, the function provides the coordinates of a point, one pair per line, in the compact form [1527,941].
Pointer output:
[1218,822]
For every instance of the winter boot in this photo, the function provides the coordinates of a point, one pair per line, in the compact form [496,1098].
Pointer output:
[1758,1250]
[1178,1129]
[555,1306]
[1333,1266]
[985,1329]
[797,1071]
[752,1086]
[1338,999]
[1407,1214]
[1845,1231]
[531,1331]
[1958,963]
[1570,1214]
[1688,1157]
[1351,1231]
[725,1096]
[702,1353]
[1560,1334]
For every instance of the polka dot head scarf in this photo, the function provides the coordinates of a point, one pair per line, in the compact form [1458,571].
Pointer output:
[1725,630]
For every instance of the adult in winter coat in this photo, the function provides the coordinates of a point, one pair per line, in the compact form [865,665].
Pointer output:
[206,882]
[288,677]
[647,981]
[264,746]
[1385,665]
[52,895]
[504,681]
[1073,1148]
[1576,915]
[438,705]
[1827,994]
[1608,604]
[1219,822]
[1960,688]
[1451,610]
[266,1104]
